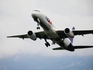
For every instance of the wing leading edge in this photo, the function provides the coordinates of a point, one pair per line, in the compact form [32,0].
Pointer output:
[82,32]
[40,35]
[59,32]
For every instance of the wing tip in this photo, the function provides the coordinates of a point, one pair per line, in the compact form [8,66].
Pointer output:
[8,36]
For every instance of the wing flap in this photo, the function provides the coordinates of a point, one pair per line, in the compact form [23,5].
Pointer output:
[59,48]
[38,35]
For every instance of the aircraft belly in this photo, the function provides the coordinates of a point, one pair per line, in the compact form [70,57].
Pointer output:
[44,26]
[51,34]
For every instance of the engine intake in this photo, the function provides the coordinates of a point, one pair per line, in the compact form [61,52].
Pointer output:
[32,35]
[68,32]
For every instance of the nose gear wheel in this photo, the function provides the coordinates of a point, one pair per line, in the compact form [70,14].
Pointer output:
[38,27]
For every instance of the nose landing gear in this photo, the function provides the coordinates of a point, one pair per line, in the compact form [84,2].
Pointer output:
[38,26]
[38,21]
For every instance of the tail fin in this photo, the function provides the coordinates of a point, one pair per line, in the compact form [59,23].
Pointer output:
[71,39]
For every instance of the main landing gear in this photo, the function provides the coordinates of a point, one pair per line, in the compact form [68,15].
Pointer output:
[38,26]
[47,43]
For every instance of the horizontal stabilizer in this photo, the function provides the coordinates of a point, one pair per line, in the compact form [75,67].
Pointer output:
[81,47]
[59,48]
[75,47]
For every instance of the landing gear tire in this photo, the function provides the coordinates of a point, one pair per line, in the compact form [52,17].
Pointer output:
[47,44]
[38,27]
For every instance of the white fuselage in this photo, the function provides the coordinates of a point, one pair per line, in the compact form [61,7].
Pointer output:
[49,29]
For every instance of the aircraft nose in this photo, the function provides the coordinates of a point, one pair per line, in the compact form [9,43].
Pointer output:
[35,13]
[35,16]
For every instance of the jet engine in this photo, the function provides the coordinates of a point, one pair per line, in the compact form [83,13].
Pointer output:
[68,44]
[32,35]
[68,32]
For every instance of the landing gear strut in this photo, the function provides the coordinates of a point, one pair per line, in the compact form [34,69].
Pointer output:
[38,26]
[38,21]
[47,43]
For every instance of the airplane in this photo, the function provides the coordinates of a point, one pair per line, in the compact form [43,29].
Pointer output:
[64,38]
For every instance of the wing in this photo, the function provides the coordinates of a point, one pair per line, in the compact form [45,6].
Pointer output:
[38,35]
[18,36]
[76,32]
[82,32]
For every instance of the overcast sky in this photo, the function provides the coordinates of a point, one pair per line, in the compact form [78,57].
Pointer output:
[15,18]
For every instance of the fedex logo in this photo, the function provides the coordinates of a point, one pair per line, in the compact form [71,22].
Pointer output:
[48,20]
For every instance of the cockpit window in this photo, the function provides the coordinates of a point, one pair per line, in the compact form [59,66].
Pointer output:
[36,10]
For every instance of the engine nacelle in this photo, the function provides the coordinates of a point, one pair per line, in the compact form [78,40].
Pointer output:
[68,44]
[32,35]
[68,32]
